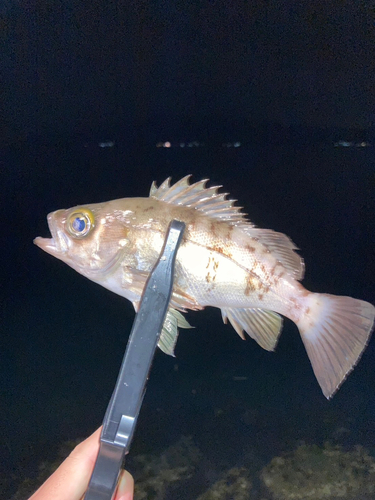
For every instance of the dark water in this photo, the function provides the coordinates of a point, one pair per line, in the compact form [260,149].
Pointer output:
[63,337]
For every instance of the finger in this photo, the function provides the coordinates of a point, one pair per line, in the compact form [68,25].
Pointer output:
[70,480]
[125,490]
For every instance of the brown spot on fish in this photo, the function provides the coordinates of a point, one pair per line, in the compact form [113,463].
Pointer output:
[296,308]
[191,226]
[229,233]
[276,277]
[221,249]
[213,229]
[250,248]
[277,264]
[249,285]
[149,208]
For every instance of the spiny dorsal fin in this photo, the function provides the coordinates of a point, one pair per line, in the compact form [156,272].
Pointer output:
[197,196]
[215,205]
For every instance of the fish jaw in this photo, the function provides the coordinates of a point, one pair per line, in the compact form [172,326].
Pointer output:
[58,245]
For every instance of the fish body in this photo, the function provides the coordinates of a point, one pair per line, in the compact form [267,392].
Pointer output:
[252,274]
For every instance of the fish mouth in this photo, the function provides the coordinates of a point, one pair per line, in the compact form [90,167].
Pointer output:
[56,245]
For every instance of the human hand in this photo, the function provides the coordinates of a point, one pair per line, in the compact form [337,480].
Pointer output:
[70,480]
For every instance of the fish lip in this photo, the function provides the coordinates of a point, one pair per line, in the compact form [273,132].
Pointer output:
[58,244]
[46,244]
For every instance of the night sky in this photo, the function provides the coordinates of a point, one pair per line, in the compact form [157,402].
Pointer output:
[73,75]
[69,67]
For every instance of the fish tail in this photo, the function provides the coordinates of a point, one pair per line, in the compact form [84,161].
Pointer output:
[335,331]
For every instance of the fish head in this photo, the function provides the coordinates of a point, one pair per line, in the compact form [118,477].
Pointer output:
[89,238]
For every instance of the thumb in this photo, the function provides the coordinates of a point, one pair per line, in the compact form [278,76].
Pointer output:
[125,489]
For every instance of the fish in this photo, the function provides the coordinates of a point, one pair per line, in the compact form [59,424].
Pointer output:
[251,274]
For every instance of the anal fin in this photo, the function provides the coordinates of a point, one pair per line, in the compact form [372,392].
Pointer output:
[261,325]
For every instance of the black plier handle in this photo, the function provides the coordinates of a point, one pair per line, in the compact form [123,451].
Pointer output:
[123,409]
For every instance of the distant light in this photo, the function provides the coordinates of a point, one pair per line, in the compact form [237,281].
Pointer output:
[106,144]
[350,144]
[191,144]
[235,144]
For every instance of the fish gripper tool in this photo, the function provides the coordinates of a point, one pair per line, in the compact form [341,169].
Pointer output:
[122,412]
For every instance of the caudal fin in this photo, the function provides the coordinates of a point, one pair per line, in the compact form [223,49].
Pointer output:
[335,332]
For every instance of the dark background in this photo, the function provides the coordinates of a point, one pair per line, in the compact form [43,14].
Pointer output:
[285,79]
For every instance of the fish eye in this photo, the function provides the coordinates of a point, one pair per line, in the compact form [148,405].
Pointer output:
[80,222]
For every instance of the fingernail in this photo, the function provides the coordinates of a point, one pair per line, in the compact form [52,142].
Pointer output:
[125,490]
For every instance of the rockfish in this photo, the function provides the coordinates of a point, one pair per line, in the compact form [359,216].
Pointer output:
[252,274]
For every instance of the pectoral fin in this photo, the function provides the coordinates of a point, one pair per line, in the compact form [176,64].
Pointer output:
[135,281]
[261,325]
[169,333]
